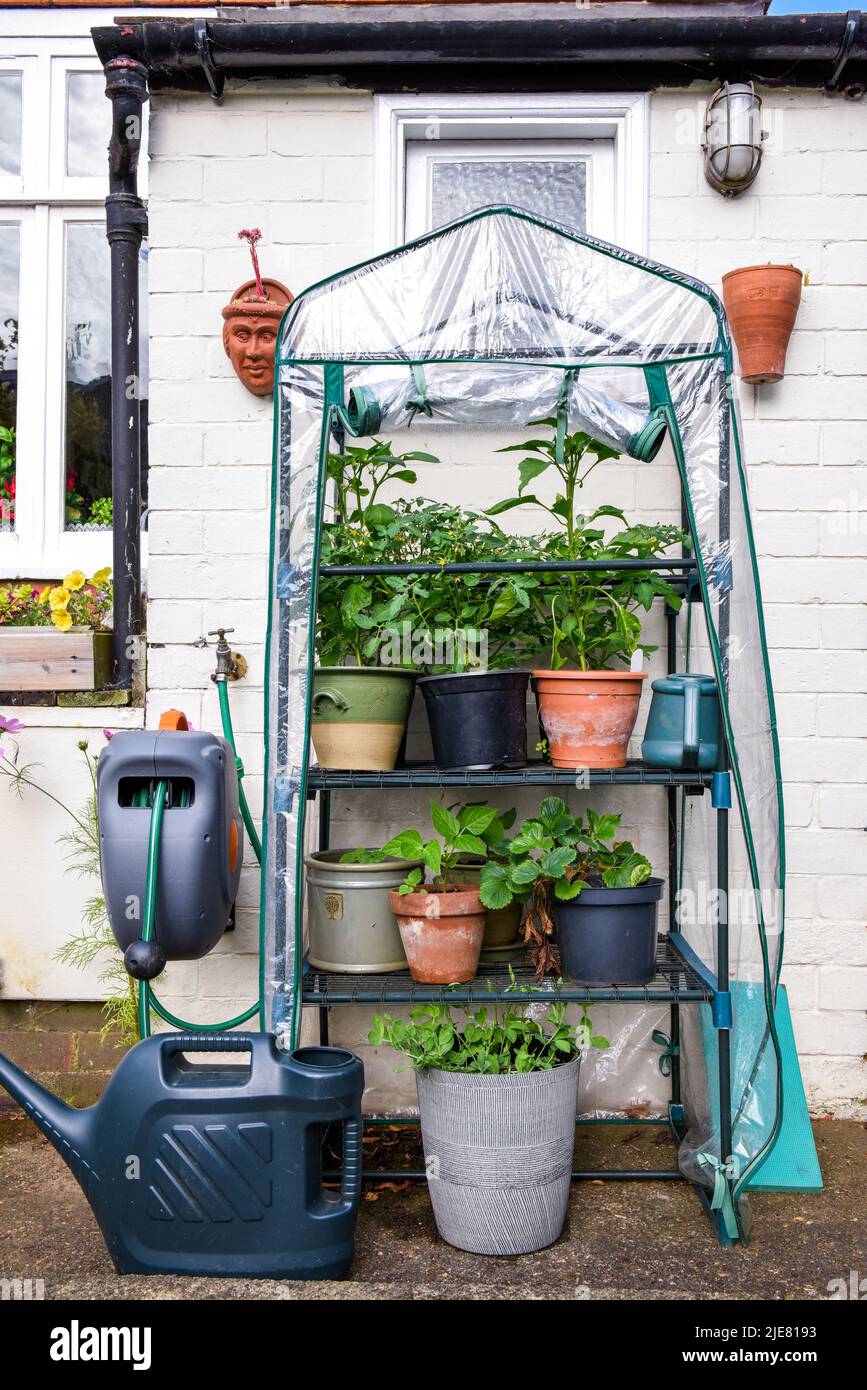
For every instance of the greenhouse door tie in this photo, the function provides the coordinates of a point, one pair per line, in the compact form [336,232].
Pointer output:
[721,1198]
[672,1050]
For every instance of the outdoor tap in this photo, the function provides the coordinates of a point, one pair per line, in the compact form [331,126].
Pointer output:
[231,666]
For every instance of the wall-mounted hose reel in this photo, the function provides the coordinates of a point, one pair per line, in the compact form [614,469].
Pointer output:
[191,778]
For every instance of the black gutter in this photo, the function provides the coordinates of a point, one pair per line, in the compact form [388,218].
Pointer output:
[126,224]
[527,46]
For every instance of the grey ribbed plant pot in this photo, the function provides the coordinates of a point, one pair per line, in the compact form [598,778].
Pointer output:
[498,1154]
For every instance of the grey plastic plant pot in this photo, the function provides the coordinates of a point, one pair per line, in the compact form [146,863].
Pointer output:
[498,1155]
[351,927]
[607,936]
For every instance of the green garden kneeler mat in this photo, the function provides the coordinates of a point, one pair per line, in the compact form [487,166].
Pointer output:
[793,1164]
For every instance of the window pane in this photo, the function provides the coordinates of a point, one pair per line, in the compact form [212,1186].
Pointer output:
[553,188]
[88,125]
[10,123]
[88,376]
[9,265]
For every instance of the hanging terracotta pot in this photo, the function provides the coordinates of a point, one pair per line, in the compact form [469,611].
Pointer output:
[250,332]
[761,302]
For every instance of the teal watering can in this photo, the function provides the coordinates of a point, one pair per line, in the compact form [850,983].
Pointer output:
[683,726]
[210,1166]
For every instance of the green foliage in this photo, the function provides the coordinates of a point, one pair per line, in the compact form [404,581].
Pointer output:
[101,512]
[361,617]
[592,616]
[94,942]
[553,857]
[461,830]
[562,851]
[491,1041]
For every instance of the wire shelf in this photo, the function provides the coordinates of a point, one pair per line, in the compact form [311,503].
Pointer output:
[535,774]
[674,980]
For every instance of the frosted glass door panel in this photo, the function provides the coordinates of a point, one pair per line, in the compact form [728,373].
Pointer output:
[568,181]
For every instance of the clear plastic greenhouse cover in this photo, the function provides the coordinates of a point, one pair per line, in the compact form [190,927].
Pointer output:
[490,321]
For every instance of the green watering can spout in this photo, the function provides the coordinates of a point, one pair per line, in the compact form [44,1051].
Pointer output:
[69,1130]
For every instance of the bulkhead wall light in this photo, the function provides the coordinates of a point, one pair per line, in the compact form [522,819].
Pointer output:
[733,138]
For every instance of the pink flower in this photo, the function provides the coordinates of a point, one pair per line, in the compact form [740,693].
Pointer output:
[10,726]
[107,735]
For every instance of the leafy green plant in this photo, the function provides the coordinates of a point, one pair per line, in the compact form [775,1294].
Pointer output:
[460,830]
[353,610]
[359,475]
[592,615]
[101,512]
[434,621]
[554,856]
[94,942]
[491,1041]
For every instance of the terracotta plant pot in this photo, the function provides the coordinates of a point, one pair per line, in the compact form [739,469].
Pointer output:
[441,933]
[588,716]
[250,332]
[761,302]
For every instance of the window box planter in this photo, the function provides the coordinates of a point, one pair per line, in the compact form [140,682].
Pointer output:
[42,658]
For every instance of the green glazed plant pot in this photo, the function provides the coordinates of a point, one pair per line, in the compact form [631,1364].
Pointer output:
[351,927]
[359,716]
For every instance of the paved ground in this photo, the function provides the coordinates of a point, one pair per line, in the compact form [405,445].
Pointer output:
[622,1240]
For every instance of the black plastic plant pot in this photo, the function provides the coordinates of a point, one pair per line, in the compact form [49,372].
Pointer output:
[478,719]
[607,936]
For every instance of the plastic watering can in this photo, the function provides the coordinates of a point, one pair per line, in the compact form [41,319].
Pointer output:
[683,723]
[210,1167]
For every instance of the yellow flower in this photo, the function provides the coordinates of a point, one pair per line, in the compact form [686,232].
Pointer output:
[75,580]
[58,598]
[45,596]
[101,577]
[22,591]
[61,619]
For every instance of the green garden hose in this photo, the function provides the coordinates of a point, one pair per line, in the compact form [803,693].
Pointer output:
[158,806]
[147,999]
[228,734]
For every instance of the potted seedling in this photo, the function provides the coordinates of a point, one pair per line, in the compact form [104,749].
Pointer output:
[596,892]
[588,702]
[441,922]
[503,924]
[476,696]
[360,704]
[497,1094]
[57,637]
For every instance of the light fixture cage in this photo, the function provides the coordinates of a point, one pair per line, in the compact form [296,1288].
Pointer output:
[731,162]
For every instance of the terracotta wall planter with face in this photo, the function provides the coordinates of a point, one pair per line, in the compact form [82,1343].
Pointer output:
[250,333]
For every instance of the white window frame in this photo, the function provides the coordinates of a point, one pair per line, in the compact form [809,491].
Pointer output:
[44,200]
[619,117]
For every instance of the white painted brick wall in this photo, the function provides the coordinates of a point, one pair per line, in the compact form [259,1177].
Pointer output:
[299,165]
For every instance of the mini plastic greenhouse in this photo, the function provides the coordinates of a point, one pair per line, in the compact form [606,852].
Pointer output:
[484,325]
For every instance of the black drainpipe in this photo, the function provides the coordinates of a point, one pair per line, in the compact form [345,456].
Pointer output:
[126,224]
